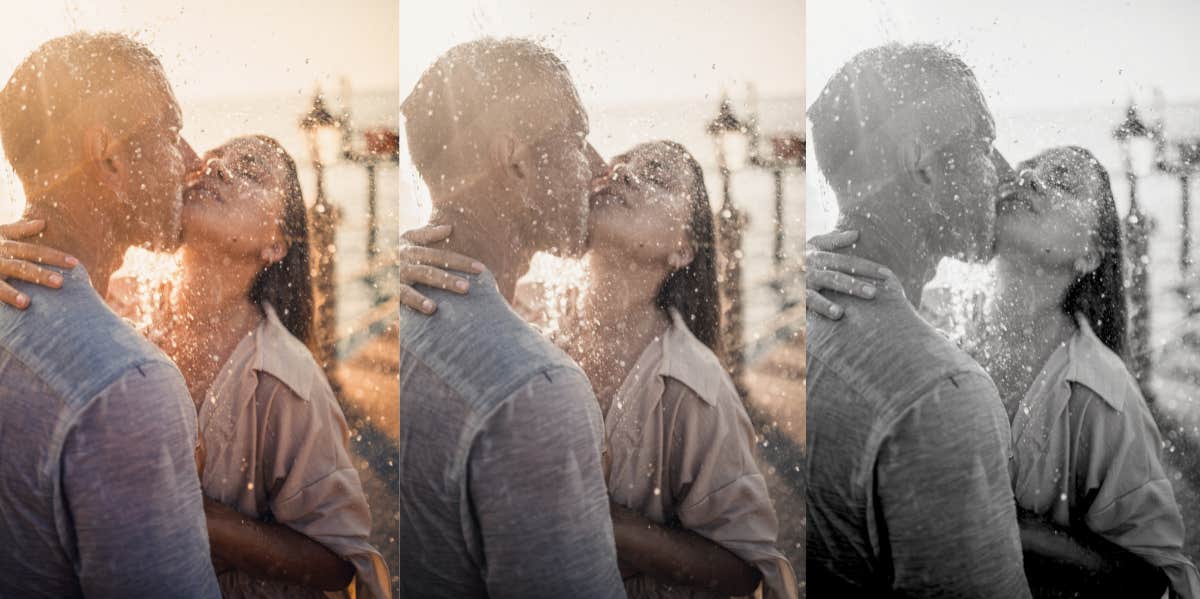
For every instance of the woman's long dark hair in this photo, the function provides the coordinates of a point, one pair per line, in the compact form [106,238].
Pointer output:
[1100,295]
[692,290]
[287,284]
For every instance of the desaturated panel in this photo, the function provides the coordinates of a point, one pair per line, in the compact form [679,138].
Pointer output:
[1028,193]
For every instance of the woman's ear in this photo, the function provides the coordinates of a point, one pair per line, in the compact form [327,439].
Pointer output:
[1088,263]
[274,252]
[681,257]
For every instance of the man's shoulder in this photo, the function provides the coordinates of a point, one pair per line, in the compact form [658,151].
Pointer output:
[884,348]
[477,346]
[74,343]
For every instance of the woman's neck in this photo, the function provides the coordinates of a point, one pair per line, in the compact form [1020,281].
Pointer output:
[1028,303]
[1024,324]
[210,315]
[617,320]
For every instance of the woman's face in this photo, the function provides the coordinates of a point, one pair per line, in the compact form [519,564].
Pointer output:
[641,209]
[1050,218]
[236,200]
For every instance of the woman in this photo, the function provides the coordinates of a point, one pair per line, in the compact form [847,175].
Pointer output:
[691,514]
[286,513]
[1052,337]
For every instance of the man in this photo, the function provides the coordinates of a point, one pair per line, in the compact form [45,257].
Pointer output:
[909,491]
[501,488]
[99,494]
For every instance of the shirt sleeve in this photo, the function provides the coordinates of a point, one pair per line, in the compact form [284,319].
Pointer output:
[1120,483]
[538,493]
[948,519]
[313,485]
[721,494]
[130,485]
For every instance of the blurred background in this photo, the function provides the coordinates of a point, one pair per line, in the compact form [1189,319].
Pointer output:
[660,70]
[254,67]
[1059,73]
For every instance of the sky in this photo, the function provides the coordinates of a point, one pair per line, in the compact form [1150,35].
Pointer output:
[1027,53]
[221,48]
[628,51]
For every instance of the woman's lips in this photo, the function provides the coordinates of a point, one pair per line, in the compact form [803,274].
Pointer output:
[199,191]
[1013,203]
[604,197]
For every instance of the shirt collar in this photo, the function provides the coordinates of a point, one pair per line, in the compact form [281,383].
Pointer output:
[690,362]
[278,353]
[1095,366]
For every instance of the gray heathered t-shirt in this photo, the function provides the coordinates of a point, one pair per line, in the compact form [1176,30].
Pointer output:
[909,492]
[502,492]
[99,495]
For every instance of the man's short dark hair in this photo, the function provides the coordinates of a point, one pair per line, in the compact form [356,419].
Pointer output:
[471,86]
[855,112]
[62,79]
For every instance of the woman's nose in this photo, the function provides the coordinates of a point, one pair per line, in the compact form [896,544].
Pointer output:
[216,166]
[1029,179]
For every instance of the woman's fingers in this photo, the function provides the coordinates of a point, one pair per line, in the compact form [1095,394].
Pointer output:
[831,280]
[40,254]
[834,240]
[22,229]
[409,297]
[427,234]
[822,305]
[12,297]
[816,260]
[443,259]
[433,277]
[28,271]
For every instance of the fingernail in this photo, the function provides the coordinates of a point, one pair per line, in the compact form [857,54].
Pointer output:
[478,266]
[885,271]
[22,300]
[868,290]
[56,279]
[460,285]
[836,311]
[427,306]
[72,261]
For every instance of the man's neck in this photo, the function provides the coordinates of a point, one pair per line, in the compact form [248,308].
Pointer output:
[897,243]
[86,234]
[494,239]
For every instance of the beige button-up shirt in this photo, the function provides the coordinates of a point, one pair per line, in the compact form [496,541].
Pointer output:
[682,452]
[1086,448]
[276,445]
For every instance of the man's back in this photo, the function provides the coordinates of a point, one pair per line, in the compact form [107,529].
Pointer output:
[501,489]
[909,492]
[98,488]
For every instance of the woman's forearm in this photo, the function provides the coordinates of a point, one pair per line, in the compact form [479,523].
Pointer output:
[679,556]
[272,551]
[1075,560]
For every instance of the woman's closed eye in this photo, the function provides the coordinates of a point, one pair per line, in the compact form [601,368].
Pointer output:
[654,173]
[249,168]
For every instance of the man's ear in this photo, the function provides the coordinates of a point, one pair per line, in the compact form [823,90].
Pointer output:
[914,160]
[101,158]
[511,156]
